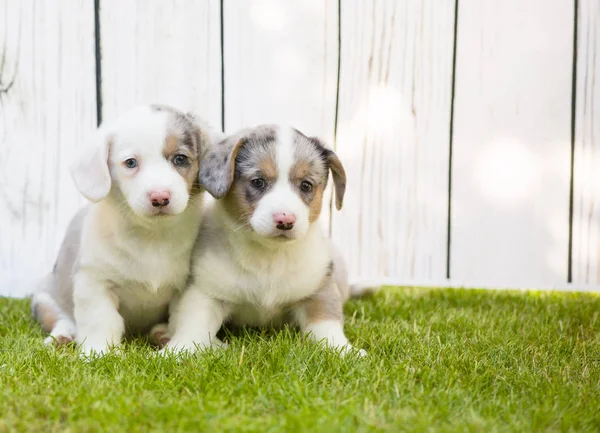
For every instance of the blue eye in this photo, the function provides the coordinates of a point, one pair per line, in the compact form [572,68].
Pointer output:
[131,163]
[180,160]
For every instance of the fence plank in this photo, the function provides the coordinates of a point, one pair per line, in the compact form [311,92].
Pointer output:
[166,51]
[586,215]
[511,152]
[281,64]
[394,117]
[47,108]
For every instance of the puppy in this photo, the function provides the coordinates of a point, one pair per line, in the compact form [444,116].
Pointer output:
[125,255]
[261,257]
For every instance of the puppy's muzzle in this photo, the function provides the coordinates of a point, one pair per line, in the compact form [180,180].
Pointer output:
[284,221]
[160,198]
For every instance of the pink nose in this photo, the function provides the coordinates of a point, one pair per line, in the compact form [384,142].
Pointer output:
[284,220]
[160,197]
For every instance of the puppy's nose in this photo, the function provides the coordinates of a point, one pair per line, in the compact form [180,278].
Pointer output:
[160,197]
[284,220]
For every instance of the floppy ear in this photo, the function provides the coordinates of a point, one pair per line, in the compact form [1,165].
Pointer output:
[339,178]
[90,169]
[217,168]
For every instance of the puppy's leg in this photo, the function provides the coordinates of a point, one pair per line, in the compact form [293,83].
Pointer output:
[99,324]
[194,322]
[52,319]
[321,317]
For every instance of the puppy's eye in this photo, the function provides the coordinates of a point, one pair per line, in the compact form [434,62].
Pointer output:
[131,163]
[258,183]
[180,160]
[306,186]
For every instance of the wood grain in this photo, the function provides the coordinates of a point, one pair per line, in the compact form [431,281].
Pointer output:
[393,137]
[586,210]
[281,64]
[511,152]
[156,51]
[47,109]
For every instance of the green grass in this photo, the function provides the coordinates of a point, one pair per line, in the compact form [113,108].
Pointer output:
[441,360]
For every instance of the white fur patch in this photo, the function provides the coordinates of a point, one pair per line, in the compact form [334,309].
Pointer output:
[331,332]
[282,198]
[141,135]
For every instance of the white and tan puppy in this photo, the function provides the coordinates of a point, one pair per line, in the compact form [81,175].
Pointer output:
[261,257]
[125,255]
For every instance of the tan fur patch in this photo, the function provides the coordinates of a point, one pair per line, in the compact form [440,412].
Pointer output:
[61,340]
[237,206]
[321,307]
[171,146]
[299,171]
[339,179]
[46,315]
[174,146]
[325,304]
[268,168]
[316,204]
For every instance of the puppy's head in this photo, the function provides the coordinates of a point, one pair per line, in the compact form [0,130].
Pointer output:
[147,159]
[272,179]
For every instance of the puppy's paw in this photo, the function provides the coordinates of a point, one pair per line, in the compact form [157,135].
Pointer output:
[58,340]
[181,348]
[176,350]
[89,351]
[159,335]
[349,350]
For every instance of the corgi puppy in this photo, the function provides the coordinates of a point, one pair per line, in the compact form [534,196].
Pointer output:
[261,258]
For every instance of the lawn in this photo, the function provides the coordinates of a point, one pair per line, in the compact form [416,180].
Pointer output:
[438,360]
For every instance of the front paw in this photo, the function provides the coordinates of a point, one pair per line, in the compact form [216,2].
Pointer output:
[182,347]
[88,351]
[159,335]
[348,350]
[353,351]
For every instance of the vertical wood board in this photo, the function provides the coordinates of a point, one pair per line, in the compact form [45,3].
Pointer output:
[511,150]
[586,197]
[393,137]
[281,64]
[167,52]
[47,110]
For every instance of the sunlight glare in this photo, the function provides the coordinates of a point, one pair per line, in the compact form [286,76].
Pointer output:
[269,15]
[507,171]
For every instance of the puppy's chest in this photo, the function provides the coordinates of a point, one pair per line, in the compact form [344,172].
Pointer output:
[266,284]
[154,267]
[265,299]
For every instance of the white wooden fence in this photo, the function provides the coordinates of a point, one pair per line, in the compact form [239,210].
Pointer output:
[468,128]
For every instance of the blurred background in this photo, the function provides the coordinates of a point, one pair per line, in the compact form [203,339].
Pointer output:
[468,128]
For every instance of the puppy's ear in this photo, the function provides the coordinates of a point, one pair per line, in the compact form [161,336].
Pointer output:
[339,177]
[90,168]
[217,168]
[337,172]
